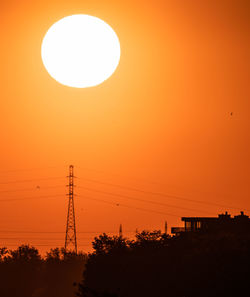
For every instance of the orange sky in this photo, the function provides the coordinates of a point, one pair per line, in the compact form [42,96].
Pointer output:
[161,123]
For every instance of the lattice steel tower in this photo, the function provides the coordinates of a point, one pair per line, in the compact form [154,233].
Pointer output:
[70,238]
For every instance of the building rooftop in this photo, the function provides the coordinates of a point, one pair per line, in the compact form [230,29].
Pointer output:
[223,221]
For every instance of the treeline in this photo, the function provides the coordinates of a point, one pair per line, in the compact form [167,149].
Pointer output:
[194,264]
[24,273]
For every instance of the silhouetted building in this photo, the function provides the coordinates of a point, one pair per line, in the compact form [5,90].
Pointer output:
[224,222]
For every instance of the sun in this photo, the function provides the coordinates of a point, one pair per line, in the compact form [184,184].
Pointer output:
[80,51]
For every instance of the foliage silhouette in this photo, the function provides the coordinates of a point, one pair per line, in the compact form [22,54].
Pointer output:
[193,264]
[155,264]
[24,273]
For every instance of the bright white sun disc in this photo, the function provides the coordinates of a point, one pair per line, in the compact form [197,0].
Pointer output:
[80,51]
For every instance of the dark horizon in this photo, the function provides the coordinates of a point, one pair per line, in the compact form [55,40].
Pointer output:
[212,260]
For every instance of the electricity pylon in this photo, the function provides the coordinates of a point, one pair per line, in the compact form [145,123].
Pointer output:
[70,238]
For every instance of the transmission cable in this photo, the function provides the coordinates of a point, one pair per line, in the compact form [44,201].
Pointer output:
[129,206]
[161,194]
[141,200]
[30,180]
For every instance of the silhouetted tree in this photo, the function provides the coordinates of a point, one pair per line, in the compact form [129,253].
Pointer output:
[62,269]
[105,244]
[21,272]
[3,254]
[24,273]
[193,264]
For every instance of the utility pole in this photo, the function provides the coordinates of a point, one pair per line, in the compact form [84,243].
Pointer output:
[120,230]
[166,227]
[70,238]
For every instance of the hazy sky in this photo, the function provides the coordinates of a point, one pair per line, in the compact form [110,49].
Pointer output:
[162,123]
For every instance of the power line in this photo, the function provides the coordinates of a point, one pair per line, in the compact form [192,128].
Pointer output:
[128,206]
[30,169]
[123,187]
[114,185]
[41,238]
[30,180]
[49,245]
[57,232]
[30,198]
[99,200]
[142,200]
[108,202]
[32,189]
[162,194]
[119,175]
